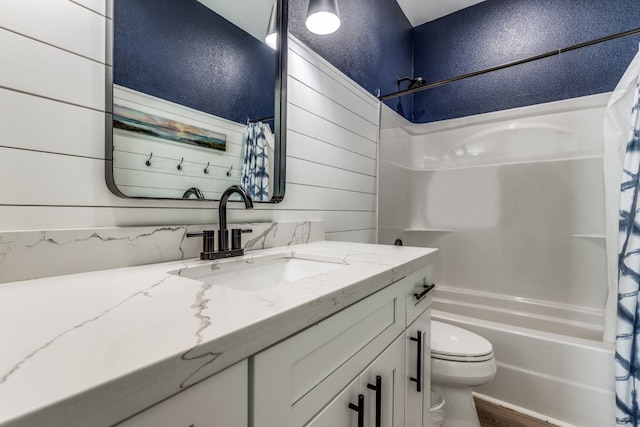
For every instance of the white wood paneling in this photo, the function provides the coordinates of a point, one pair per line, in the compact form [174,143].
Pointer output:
[353,221]
[314,126]
[303,70]
[28,177]
[296,48]
[35,123]
[314,174]
[37,68]
[305,197]
[307,148]
[99,6]
[60,23]
[310,100]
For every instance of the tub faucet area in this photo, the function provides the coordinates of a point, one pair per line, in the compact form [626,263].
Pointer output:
[208,239]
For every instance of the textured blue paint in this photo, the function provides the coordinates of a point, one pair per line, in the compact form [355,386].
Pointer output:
[373,45]
[183,52]
[498,31]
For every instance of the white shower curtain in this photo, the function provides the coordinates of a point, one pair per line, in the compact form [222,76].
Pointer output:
[622,154]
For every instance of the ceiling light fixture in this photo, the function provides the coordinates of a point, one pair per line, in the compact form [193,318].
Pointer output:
[323,17]
[271,39]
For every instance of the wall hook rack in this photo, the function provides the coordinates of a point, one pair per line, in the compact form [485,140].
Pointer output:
[180,165]
[148,162]
[206,169]
[229,171]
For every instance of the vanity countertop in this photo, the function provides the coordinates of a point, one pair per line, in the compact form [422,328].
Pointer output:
[94,348]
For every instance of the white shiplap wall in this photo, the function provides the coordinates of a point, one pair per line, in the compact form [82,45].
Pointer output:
[52,96]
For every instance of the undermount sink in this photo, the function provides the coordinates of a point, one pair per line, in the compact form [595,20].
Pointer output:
[255,275]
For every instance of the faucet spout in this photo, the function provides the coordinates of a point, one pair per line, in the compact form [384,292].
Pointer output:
[223,235]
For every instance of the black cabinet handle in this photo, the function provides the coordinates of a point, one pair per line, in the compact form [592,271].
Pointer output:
[359,408]
[427,288]
[418,377]
[378,389]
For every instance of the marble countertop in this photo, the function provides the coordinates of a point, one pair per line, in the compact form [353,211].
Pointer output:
[94,348]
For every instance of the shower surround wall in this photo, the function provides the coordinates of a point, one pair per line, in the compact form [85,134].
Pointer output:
[514,201]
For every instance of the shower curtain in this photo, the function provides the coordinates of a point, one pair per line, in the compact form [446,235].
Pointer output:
[255,163]
[627,358]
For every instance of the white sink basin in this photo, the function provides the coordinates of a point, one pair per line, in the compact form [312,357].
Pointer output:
[259,274]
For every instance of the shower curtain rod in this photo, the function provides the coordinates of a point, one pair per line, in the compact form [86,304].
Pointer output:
[508,64]
[262,119]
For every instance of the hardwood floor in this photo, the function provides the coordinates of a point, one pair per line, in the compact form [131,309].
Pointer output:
[497,416]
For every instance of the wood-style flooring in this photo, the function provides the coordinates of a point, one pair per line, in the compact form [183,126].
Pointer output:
[497,416]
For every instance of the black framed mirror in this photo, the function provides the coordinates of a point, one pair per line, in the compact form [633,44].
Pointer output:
[197,99]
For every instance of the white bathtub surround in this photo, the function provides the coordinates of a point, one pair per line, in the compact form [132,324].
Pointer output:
[94,348]
[514,200]
[34,254]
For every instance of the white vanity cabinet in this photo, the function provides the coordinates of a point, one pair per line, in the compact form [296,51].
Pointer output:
[322,375]
[221,400]
[326,366]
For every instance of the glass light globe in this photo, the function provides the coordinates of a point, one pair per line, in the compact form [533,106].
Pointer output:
[323,23]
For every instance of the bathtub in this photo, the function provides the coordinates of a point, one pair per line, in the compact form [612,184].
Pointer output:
[552,363]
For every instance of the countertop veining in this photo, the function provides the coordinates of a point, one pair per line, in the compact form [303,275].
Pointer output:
[95,348]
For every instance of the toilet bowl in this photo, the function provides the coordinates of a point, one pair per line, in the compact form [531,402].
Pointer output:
[460,360]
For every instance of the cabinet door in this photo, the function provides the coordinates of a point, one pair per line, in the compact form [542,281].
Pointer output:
[217,401]
[418,401]
[385,406]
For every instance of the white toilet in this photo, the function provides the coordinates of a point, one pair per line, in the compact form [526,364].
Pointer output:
[460,360]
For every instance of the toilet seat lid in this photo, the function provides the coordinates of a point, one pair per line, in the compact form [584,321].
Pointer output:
[449,340]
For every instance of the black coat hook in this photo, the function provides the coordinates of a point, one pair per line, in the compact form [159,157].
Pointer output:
[206,169]
[229,171]
[180,165]
[148,162]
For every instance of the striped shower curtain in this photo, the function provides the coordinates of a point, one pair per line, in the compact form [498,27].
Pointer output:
[627,367]
[255,164]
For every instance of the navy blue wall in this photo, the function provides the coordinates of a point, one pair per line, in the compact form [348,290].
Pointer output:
[183,52]
[373,45]
[498,31]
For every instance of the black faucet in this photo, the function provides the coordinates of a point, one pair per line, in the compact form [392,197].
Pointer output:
[208,251]
[223,233]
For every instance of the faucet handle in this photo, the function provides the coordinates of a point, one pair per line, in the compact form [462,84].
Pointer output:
[236,242]
[208,243]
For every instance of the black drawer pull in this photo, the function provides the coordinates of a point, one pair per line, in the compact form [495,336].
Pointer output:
[418,377]
[427,289]
[359,408]
[378,389]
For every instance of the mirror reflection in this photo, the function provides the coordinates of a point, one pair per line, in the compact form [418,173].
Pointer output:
[194,99]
